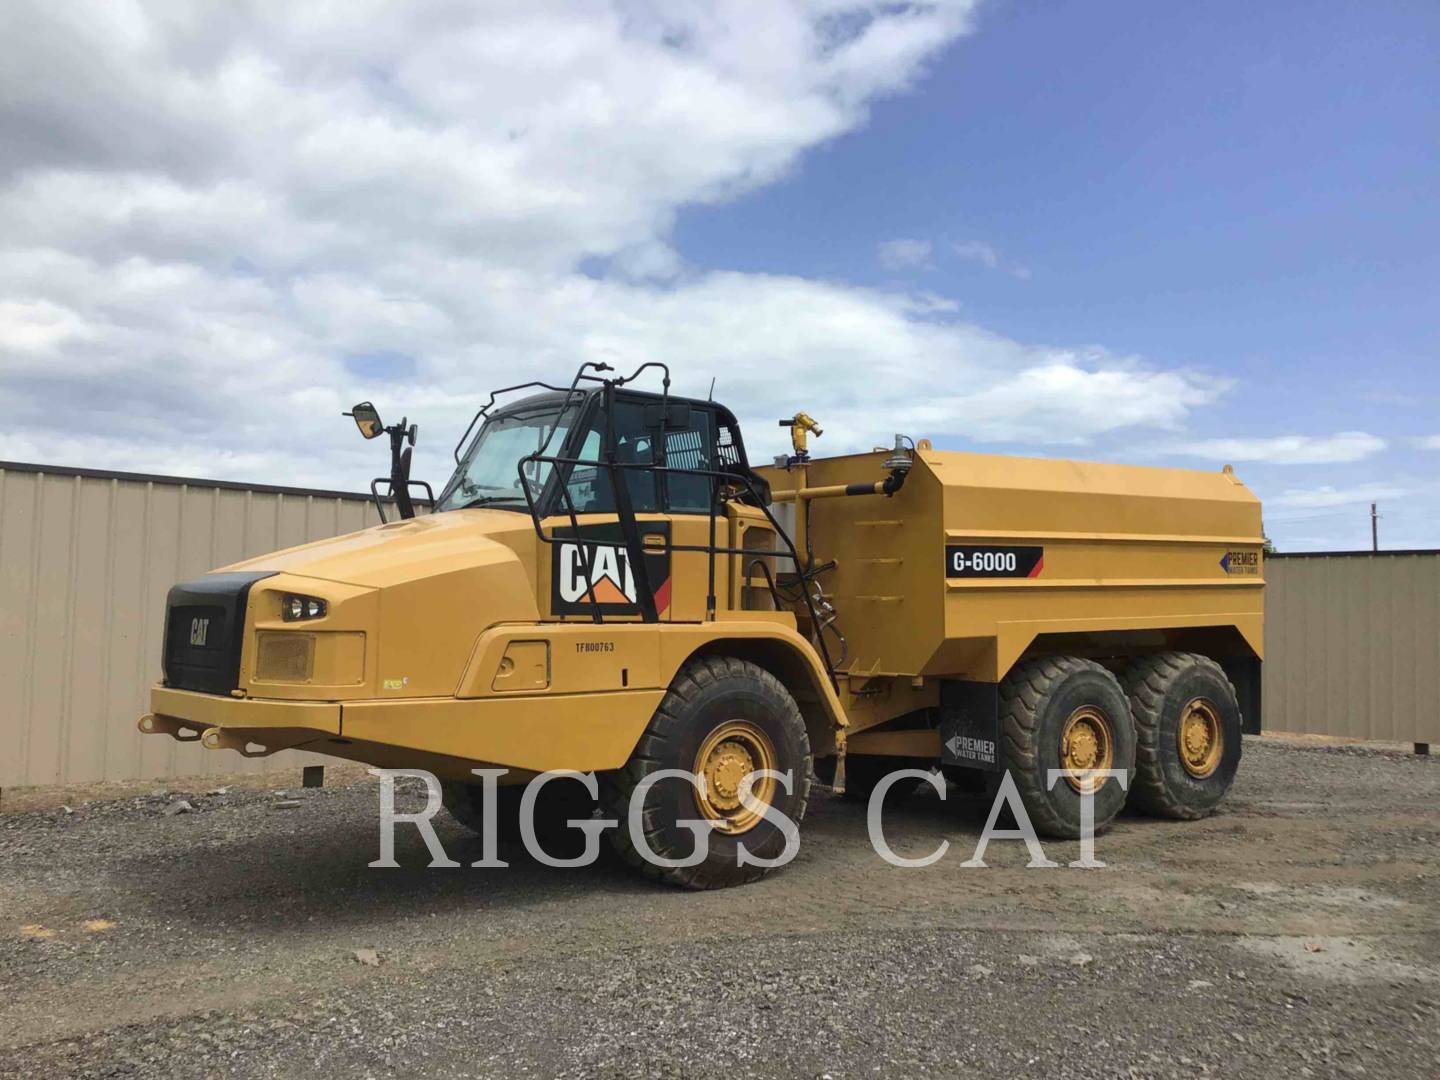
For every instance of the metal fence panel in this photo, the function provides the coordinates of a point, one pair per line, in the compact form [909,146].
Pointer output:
[86,559]
[1352,645]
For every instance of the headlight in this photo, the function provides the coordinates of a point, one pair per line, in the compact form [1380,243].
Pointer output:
[295,608]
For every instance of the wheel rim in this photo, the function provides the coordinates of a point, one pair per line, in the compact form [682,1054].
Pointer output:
[730,753]
[1087,746]
[1200,738]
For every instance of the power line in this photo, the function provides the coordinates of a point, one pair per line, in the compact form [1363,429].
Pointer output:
[1279,519]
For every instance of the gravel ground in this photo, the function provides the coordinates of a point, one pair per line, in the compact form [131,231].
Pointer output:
[1295,933]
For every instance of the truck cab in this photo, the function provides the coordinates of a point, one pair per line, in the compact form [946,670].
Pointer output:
[637,473]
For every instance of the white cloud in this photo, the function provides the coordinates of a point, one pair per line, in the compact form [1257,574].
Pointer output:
[978,251]
[903,254]
[1428,442]
[1346,446]
[204,214]
[987,256]
[37,326]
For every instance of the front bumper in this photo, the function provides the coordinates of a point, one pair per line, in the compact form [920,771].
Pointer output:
[255,727]
[533,733]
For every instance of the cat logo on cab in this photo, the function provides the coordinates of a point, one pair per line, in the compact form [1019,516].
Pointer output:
[610,575]
[611,585]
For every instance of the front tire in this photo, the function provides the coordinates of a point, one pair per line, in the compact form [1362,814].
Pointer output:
[722,718]
[464,803]
[561,801]
[1188,725]
[1061,712]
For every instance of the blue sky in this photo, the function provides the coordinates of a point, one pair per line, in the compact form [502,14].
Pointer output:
[1171,234]
[1247,189]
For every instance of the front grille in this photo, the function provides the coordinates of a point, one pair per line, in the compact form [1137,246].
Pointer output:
[195,647]
[204,631]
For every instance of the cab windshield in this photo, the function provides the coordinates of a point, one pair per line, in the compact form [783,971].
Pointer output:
[488,476]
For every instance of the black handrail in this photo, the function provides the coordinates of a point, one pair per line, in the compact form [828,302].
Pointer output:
[568,391]
[805,571]
[625,515]
[711,550]
[379,500]
[580,548]
[485,409]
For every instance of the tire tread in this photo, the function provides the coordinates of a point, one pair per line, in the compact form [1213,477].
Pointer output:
[1147,680]
[688,684]
[1023,693]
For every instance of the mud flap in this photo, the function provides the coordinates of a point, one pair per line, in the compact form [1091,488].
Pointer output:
[970,724]
[1245,673]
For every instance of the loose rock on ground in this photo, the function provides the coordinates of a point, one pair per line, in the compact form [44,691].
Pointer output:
[1295,933]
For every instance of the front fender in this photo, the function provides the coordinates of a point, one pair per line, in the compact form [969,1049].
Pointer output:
[586,658]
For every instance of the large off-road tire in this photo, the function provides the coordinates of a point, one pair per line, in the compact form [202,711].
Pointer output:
[1188,734]
[559,802]
[463,803]
[722,718]
[1058,712]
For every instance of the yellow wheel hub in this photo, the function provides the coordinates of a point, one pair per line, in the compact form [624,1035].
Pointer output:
[1087,744]
[1200,738]
[728,755]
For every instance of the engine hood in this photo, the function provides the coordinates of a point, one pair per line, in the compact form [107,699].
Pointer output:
[432,546]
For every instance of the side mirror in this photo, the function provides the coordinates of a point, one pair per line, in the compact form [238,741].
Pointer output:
[367,419]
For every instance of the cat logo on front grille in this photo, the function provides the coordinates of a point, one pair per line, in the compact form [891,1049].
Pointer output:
[199,630]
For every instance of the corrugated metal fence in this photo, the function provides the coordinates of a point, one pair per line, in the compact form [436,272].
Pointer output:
[86,558]
[1352,645]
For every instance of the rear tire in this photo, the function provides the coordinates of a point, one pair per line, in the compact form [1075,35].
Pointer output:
[710,697]
[1040,701]
[1182,774]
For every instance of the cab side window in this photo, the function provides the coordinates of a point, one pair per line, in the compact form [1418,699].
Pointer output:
[691,446]
[590,486]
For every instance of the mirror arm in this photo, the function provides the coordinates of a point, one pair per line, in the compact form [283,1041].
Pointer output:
[400,467]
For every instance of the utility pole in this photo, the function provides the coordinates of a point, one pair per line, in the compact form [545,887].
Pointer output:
[1374,529]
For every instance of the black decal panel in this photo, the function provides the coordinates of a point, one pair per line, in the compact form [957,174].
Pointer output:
[970,724]
[610,576]
[990,561]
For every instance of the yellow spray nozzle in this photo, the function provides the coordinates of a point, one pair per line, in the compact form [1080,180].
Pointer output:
[799,425]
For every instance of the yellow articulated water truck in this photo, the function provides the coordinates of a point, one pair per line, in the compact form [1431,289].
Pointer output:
[607,584]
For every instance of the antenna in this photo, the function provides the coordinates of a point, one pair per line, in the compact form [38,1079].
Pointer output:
[712,389]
